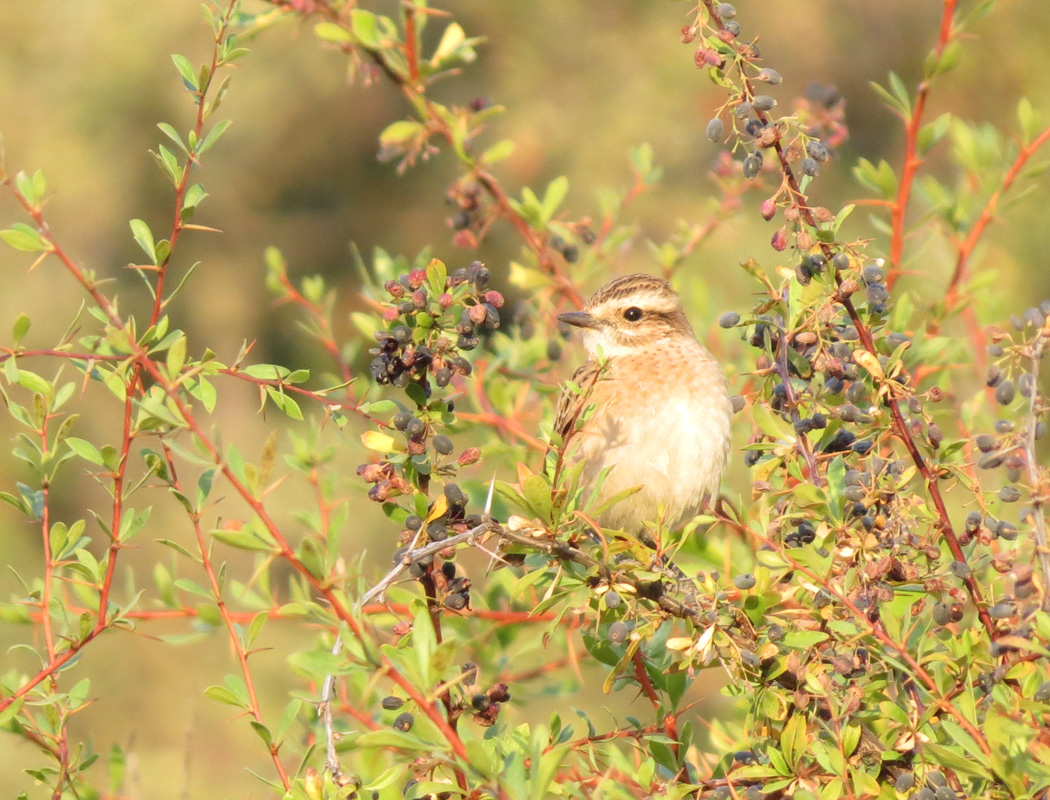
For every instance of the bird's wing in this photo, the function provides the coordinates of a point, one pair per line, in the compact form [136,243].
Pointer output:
[571,404]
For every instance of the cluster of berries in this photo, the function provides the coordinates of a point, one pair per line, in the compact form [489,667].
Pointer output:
[423,319]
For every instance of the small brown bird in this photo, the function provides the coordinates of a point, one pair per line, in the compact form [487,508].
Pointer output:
[662,412]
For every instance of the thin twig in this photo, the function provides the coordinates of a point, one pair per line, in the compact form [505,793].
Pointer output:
[1038,514]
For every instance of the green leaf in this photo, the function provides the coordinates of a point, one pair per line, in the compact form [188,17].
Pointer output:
[330,32]
[172,134]
[553,197]
[186,70]
[213,135]
[285,403]
[499,151]
[365,27]
[399,132]
[144,236]
[176,359]
[22,237]
[20,329]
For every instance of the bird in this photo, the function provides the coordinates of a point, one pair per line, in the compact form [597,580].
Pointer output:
[661,408]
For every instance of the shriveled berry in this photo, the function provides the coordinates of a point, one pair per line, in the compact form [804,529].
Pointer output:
[404,722]
[480,702]
[457,602]
[960,569]
[729,319]
[442,444]
[618,632]
[470,673]
[392,703]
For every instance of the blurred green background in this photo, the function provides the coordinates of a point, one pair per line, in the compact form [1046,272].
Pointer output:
[82,86]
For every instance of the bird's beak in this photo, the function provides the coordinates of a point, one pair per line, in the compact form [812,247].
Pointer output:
[580,319]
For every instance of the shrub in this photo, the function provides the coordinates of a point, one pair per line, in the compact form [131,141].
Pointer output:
[877,598]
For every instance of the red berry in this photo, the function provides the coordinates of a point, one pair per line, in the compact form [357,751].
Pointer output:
[768,209]
[494,299]
[779,240]
[417,278]
[445,300]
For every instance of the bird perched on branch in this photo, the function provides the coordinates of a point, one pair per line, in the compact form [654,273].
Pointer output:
[661,409]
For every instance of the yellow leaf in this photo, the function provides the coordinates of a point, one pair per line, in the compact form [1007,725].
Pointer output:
[870,363]
[439,508]
[380,442]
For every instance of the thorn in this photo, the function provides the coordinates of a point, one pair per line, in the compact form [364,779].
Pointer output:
[488,500]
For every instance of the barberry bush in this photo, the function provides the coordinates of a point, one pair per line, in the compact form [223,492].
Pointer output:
[413,597]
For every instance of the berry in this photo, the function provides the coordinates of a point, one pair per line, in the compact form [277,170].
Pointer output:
[872,274]
[763,102]
[817,151]
[402,333]
[455,495]
[810,167]
[770,76]
[404,722]
[752,165]
[442,444]
[612,599]
[1004,393]
[470,673]
[1009,494]
[729,319]
[392,703]
[401,419]
[480,702]
[745,581]
[413,523]
[715,130]
[571,253]
[457,601]
[840,261]
[725,10]
[618,632]
[442,377]
[732,27]
[415,427]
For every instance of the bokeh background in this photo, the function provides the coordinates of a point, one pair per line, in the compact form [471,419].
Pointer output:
[82,86]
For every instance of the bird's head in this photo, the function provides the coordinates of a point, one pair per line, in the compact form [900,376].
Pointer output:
[629,315]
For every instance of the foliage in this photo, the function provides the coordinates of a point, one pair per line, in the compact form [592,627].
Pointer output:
[877,602]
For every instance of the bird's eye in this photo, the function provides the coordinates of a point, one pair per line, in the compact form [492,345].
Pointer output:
[633,314]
